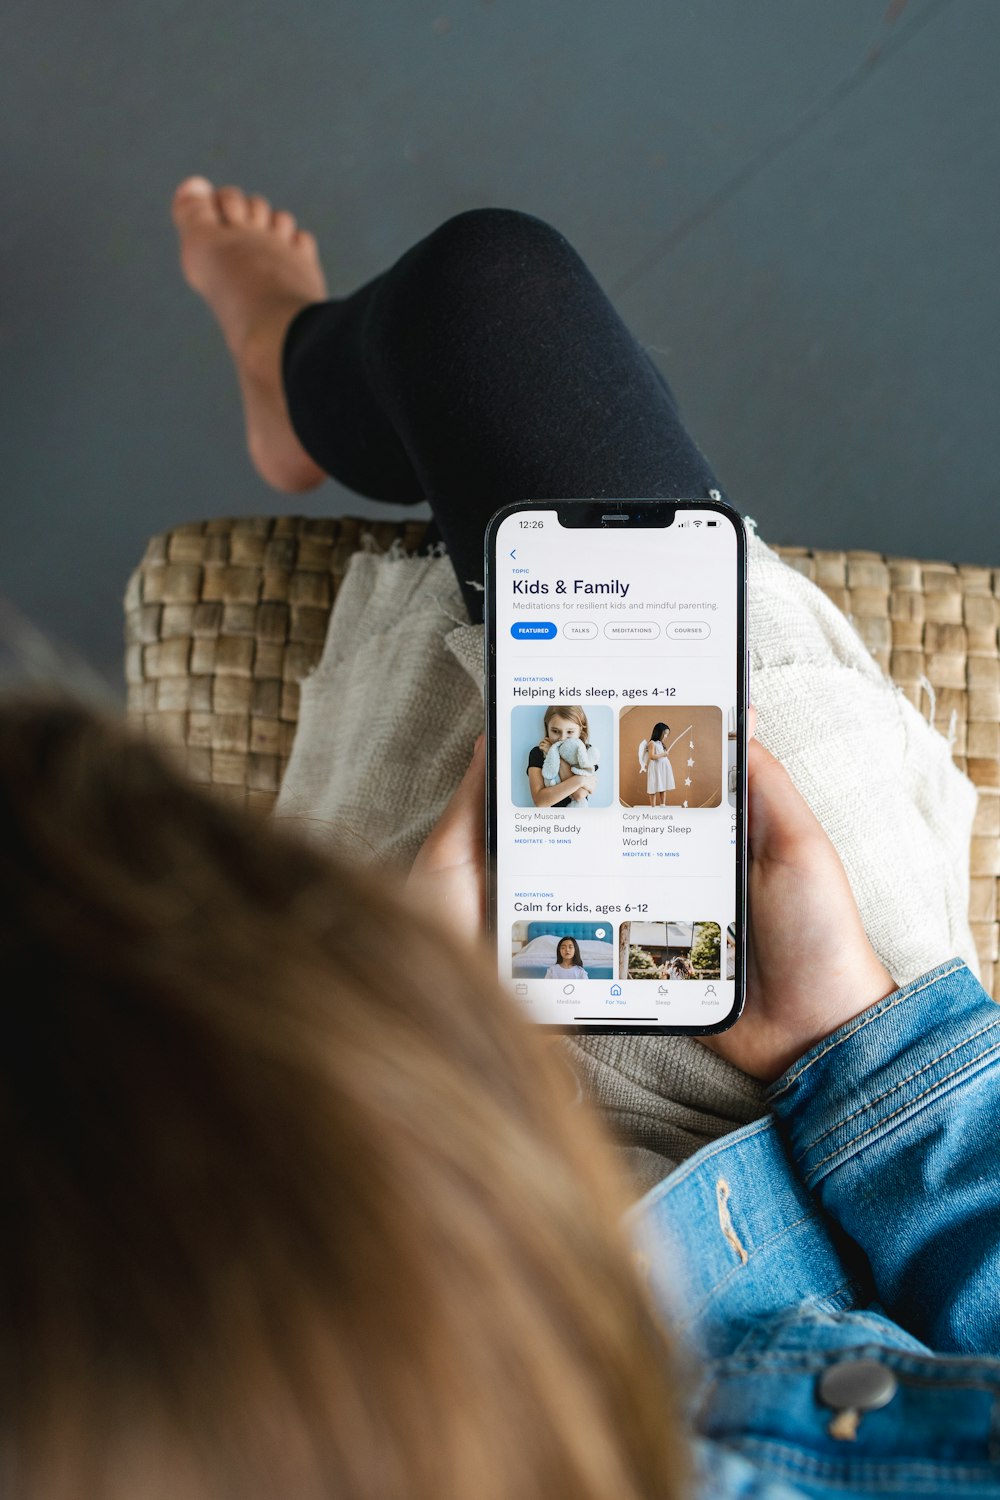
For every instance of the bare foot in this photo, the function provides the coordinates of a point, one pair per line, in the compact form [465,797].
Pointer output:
[255,270]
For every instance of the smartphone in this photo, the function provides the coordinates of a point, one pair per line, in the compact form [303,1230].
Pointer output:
[616,695]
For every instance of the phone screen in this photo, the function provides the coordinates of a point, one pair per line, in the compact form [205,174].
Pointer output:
[617,685]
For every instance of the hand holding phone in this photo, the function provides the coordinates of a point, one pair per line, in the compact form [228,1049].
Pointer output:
[800,908]
[810,965]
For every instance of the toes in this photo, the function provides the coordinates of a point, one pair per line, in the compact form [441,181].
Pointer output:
[233,205]
[258,212]
[305,238]
[194,203]
[283,224]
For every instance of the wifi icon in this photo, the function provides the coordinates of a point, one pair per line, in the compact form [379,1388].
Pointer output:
[695,523]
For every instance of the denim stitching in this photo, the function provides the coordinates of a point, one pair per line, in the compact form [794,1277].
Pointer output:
[735,1270]
[992,1025]
[865,1019]
[892,1475]
[924,1370]
[903,1108]
[868,1320]
[819,1303]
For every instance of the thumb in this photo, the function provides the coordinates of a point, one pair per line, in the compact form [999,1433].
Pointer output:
[780,819]
[460,831]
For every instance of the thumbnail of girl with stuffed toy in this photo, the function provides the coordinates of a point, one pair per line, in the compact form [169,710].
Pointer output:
[563,760]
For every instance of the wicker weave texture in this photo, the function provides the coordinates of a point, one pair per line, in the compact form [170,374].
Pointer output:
[224,618]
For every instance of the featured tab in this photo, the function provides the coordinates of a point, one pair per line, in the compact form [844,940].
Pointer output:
[533,630]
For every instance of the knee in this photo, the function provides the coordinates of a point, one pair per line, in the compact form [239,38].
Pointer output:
[482,232]
[493,250]
[489,276]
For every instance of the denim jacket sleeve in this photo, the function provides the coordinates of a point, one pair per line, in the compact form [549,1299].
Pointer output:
[893,1125]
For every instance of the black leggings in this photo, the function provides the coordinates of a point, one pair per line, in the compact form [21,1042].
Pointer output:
[486,366]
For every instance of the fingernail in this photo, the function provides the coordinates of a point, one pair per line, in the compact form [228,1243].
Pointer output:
[197,185]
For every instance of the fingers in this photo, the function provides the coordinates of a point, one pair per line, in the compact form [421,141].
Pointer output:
[751,722]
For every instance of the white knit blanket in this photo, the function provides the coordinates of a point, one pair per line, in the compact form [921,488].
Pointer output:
[388,720]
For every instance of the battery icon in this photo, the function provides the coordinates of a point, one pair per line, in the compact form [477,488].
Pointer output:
[713,523]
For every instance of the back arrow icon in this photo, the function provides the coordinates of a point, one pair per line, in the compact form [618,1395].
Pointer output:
[513,553]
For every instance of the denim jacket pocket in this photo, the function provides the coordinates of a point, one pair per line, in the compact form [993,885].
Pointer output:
[934,1432]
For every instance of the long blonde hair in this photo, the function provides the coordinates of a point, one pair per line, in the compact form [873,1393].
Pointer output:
[571,711]
[296,1202]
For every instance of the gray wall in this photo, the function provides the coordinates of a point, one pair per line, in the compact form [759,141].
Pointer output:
[794,205]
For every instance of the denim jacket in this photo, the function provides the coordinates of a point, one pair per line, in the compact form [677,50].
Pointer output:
[832,1271]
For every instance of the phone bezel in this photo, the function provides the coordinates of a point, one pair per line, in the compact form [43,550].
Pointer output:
[619,515]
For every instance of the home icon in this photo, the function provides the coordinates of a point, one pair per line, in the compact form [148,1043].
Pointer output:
[616,989]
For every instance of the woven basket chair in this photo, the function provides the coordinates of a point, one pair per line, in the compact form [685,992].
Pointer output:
[223,620]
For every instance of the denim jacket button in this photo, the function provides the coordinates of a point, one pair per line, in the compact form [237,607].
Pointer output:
[860,1384]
